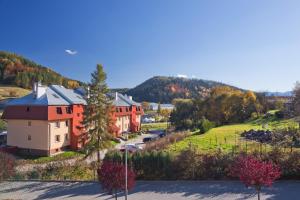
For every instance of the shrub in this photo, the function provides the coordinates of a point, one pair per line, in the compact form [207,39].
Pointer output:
[112,177]
[162,143]
[205,125]
[279,114]
[7,164]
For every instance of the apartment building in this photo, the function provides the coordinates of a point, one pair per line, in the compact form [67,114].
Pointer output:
[48,120]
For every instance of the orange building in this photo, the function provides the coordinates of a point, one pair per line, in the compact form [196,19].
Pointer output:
[49,119]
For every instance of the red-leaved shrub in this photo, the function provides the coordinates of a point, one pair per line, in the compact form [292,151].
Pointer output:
[112,177]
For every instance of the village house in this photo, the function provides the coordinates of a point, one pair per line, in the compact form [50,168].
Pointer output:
[48,120]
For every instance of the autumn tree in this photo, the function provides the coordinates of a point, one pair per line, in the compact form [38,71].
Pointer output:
[7,164]
[255,173]
[145,105]
[112,177]
[97,114]
[296,99]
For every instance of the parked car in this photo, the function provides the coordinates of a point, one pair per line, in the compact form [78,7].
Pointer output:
[161,133]
[131,148]
[150,138]
[148,120]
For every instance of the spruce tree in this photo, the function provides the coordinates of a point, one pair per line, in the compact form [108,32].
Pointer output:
[97,114]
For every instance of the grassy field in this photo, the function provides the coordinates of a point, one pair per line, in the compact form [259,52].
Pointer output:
[154,126]
[228,137]
[11,91]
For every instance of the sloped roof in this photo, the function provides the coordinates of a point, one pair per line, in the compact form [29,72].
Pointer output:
[49,98]
[59,95]
[122,100]
[72,96]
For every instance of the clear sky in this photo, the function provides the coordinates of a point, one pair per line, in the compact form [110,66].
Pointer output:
[247,43]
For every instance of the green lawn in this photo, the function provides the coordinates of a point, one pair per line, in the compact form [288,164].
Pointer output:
[154,126]
[59,157]
[228,137]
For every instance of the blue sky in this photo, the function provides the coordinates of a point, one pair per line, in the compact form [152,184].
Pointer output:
[247,43]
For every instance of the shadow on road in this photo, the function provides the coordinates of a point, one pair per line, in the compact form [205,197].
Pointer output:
[147,189]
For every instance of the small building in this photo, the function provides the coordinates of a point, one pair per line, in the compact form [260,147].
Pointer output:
[49,119]
[154,106]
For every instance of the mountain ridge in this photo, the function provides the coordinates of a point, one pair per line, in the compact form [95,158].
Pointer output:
[22,72]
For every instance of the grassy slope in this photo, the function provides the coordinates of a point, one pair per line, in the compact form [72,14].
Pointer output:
[228,137]
[154,126]
[11,91]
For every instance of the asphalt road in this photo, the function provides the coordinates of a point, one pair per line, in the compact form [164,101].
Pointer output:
[156,190]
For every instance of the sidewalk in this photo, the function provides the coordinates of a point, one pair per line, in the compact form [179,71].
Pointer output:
[148,190]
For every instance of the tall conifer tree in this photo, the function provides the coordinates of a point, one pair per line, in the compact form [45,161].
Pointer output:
[97,114]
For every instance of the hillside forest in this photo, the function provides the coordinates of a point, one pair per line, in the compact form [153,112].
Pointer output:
[19,71]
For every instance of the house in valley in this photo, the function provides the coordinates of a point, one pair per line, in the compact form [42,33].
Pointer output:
[48,120]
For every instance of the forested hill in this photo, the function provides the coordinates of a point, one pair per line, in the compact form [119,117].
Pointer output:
[164,89]
[19,71]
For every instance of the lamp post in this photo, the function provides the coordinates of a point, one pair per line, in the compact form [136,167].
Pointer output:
[126,152]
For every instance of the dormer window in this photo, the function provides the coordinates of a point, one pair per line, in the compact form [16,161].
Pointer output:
[58,110]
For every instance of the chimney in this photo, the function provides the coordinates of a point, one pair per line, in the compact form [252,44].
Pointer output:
[130,97]
[34,89]
[39,90]
[116,96]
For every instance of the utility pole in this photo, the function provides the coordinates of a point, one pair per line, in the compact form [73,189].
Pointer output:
[126,152]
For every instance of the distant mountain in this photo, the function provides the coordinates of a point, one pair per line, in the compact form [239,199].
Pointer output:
[164,89]
[279,94]
[18,71]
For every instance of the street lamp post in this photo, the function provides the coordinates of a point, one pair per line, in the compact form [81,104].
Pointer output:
[126,152]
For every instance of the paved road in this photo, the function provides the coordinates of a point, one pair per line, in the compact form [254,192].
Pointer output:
[156,190]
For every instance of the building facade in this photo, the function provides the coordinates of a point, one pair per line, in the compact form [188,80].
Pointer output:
[49,120]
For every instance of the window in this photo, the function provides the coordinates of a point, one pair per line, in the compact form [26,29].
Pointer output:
[67,123]
[57,124]
[120,109]
[78,114]
[69,110]
[29,137]
[117,109]
[58,110]
[29,123]
[66,136]
[126,109]
[28,109]
[57,138]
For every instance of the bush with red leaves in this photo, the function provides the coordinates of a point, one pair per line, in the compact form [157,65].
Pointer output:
[112,177]
[255,173]
[7,164]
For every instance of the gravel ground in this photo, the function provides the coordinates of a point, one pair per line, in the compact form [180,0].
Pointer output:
[147,190]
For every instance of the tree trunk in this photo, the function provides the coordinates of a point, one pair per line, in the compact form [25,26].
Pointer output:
[258,194]
[98,149]
[116,195]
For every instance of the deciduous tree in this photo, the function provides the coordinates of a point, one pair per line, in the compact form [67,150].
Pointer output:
[255,173]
